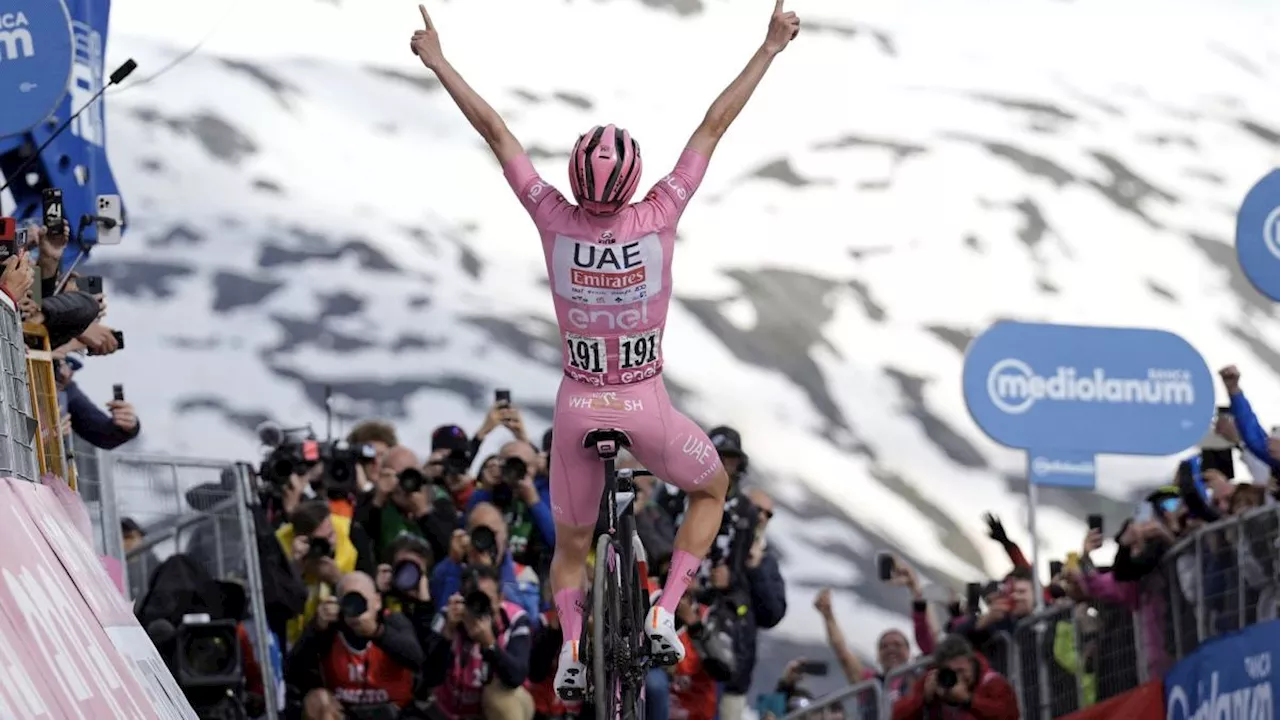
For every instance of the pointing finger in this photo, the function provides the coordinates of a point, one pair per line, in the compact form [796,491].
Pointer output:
[777,8]
[426,19]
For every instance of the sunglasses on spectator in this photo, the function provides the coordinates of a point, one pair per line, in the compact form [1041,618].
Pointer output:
[1170,505]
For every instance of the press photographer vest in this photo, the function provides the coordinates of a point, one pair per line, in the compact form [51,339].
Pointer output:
[459,695]
[365,677]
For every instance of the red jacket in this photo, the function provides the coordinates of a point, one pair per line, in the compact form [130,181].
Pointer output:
[993,699]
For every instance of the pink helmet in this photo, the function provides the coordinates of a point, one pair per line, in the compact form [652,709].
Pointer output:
[604,169]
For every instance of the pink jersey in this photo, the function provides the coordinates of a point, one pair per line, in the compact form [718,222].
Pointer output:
[610,275]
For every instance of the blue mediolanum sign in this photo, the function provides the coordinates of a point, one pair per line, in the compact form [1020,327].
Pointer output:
[35,61]
[1234,676]
[1258,235]
[1060,468]
[1087,390]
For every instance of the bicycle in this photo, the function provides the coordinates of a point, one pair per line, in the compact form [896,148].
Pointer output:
[617,650]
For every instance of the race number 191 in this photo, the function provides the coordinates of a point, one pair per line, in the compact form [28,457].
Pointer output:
[585,354]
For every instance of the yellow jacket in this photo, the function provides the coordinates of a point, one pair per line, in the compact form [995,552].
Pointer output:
[344,556]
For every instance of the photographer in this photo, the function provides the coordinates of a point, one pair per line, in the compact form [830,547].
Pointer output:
[484,543]
[353,651]
[480,669]
[450,460]
[524,500]
[416,507]
[960,684]
[319,546]
[747,592]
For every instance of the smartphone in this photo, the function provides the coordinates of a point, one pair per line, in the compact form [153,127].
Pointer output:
[1095,522]
[51,200]
[1146,511]
[109,206]
[119,336]
[502,397]
[815,668]
[117,393]
[1055,568]
[8,238]
[91,284]
[885,564]
[972,597]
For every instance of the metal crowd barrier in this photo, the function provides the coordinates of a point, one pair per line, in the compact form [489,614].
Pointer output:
[1222,578]
[200,507]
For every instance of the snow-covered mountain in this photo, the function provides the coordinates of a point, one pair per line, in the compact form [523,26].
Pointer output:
[308,209]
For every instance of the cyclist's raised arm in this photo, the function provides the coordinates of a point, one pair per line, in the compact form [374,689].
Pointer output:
[783,27]
[426,45]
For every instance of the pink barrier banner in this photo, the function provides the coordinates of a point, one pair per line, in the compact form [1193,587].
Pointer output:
[66,634]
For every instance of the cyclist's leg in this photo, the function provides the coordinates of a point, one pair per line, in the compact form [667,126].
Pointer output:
[674,448]
[577,481]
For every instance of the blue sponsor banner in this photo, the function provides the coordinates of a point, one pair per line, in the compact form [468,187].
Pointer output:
[1258,235]
[1230,677]
[1067,392]
[1058,468]
[75,161]
[35,62]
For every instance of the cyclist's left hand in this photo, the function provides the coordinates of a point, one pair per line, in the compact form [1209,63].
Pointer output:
[426,42]
[783,28]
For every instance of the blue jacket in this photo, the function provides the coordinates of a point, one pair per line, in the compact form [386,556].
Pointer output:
[1251,432]
[91,423]
[541,515]
[764,608]
[519,584]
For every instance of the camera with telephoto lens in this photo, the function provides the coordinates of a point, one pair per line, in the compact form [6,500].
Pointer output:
[405,577]
[318,547]
[947,678]
[514,470]
[485,542]
[411,480]
[475,601]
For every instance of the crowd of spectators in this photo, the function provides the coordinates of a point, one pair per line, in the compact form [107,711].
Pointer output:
[417,590]
[67,310]
[1194,560]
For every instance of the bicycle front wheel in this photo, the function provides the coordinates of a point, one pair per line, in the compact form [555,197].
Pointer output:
[605,620]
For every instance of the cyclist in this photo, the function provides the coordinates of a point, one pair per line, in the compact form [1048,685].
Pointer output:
[609,263]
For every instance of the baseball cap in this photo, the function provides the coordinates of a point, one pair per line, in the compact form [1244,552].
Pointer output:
[727,440]
[449,437]
[129,525]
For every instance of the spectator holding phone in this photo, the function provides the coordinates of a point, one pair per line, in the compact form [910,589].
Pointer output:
[1014,601]
[105,430]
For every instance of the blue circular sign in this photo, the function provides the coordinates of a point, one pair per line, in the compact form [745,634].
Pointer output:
[1258,235]
[36,54]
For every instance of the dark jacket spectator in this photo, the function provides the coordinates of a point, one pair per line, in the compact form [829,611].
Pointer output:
[67,315]
[102,430]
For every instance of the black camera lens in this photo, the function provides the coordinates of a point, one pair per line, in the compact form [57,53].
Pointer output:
[514,470]
[412,480]
[209,654]
[947,678]
[478,604]
[483,540]
[319,548]
[352,605]
[405,576]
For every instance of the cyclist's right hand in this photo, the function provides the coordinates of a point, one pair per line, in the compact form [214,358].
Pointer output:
[454,611]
